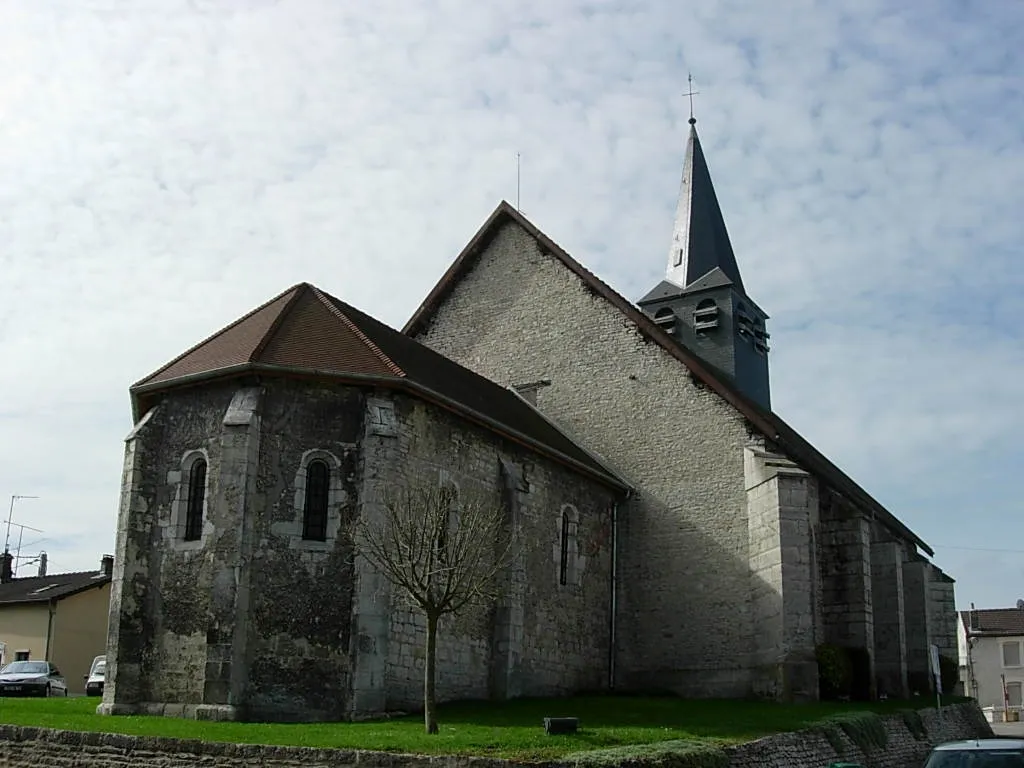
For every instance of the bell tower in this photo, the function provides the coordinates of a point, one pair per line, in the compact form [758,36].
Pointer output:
[702,301]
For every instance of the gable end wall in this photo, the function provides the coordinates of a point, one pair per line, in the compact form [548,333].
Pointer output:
[684,616]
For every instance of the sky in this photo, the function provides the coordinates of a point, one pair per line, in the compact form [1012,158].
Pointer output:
[167,166]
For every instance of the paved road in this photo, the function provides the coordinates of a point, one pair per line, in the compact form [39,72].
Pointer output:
[1009,729]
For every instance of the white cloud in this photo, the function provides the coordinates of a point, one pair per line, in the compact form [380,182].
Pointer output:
[165,167]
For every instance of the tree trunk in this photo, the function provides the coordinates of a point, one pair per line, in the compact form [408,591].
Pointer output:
[429,693]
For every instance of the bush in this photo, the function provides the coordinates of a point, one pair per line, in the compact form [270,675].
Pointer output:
[865,729]
[949,670]
[835,672]
[912,719]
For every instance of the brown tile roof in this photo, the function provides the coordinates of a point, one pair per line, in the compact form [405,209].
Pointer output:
[297,328]
[307,331]
[41,589]
[769,424]
[994,621]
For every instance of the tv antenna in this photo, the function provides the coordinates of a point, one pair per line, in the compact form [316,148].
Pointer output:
[17,552]
[10,517]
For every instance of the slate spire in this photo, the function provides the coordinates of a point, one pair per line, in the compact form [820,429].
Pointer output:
[700,241]
[701,302]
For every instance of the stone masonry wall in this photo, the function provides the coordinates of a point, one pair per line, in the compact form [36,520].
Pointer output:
[299,660]
[250,621]
[782,503]
[915,602]
[162,587]
[844,545]
[684,609]
[942,616]
[889,618]
[544,638]
[24,747]
[804,749]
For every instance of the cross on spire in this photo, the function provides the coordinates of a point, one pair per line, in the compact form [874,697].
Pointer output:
[691,93]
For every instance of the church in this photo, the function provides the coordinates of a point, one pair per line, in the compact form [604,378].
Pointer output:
[675,533]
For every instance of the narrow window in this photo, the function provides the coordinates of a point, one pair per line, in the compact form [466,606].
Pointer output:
[563,567]
[314,520]
[196,497]
[449,500]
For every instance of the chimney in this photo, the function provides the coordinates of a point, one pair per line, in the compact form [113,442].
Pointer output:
[107,565]
[42,564]
[7,568]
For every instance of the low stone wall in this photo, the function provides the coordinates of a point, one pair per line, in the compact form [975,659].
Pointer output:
[22,747]
[903,749]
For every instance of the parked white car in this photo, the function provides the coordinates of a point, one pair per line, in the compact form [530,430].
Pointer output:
[94,680]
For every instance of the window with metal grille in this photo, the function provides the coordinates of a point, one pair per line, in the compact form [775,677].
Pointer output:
[314,519]
[196,497]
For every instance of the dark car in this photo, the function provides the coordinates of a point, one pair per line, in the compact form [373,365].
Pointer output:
[32,678]
[978,753]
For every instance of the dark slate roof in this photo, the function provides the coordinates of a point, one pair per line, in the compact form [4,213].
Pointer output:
[994,621]
[704,239]
[765,421]
[307,331]
[663,290]
[716,278]
[41,589]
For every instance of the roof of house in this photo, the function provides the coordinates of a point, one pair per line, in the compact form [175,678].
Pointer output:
[994,621]
[765,421]
[309,332]
[57,586]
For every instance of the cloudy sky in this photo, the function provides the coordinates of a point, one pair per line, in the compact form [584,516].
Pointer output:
[165,166]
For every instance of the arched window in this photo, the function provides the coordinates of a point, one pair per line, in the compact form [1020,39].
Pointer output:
[196,498]
[314,515]
[448,506]
[568,546]
[666,319]
[705,316]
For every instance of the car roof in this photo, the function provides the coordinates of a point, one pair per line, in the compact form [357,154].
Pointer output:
[980,744]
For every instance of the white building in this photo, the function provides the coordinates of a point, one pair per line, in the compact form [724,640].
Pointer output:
[991,643]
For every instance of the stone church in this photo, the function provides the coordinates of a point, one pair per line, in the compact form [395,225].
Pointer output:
[676,534]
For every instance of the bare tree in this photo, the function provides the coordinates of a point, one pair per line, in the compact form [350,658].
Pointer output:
[444,552]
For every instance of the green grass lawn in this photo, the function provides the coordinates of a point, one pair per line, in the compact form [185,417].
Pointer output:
[509,729]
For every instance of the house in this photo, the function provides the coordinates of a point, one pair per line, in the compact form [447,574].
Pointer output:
[60,617]
[677,533]
[991,645]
